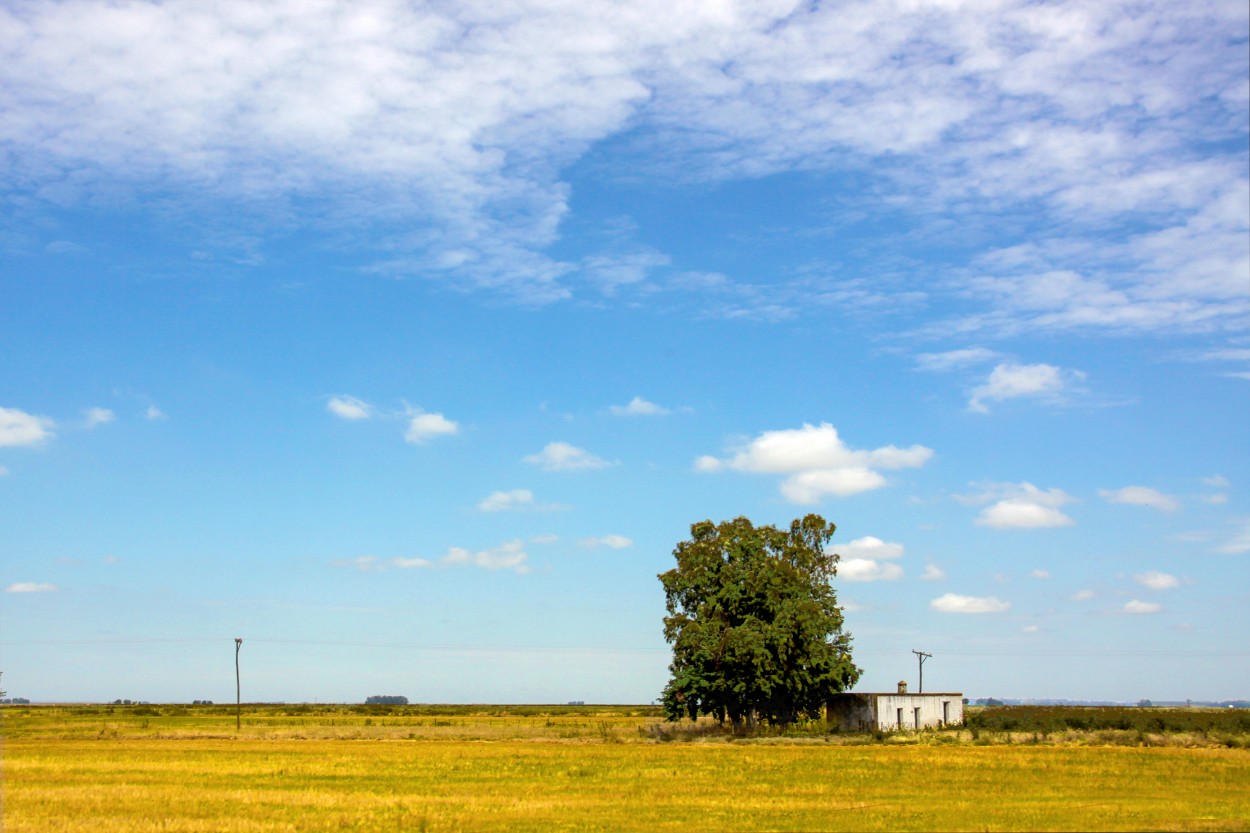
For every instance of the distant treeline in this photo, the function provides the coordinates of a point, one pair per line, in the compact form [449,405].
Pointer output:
[386,700]
[1200,704]
[1086,718]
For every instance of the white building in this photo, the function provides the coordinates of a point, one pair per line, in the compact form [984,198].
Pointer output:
[867,711]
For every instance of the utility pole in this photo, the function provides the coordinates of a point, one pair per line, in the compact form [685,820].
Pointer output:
[922,656]
[238,688]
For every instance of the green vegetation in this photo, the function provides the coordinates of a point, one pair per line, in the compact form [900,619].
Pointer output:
[754,623]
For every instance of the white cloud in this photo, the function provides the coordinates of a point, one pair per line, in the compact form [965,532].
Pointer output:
[98,416]
[18,428]
[30,587]
[638,407]
[4,471]
[1086,114]
[154,413]
[951,359]
[817,462]
[1156,580]
[423,426]
[865,569]
[616,542]
[514,500]
[1219,499]
[561,456]
[1011,381]
[1216,482]
[510,555]
[1083,595]
[932,572]
[1136,606]
[1141,496]
[349,407]
[1039,574]
[1030,628]
[870,547]
[954,603]
[1239,544]
[361,563]
[412,563]
[1022,506]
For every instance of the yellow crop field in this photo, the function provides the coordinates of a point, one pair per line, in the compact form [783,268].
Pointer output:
[102,772]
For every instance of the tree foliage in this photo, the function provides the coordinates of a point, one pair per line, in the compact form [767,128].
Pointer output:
[754,623]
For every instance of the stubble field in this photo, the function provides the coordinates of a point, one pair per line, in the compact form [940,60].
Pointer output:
[585,768]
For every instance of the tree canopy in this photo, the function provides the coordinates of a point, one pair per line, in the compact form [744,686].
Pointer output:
[754,623]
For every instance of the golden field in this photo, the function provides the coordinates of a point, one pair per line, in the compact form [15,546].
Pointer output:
[591,768]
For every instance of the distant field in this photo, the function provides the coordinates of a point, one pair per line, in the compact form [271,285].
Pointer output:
[297,768]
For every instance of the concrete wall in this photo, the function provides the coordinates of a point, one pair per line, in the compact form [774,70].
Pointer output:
[855,712]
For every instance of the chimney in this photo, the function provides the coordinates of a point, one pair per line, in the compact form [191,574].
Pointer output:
[902,686]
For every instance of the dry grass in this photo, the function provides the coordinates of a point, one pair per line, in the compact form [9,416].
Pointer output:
[564,772]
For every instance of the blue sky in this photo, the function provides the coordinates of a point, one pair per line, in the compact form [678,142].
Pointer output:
[406,340]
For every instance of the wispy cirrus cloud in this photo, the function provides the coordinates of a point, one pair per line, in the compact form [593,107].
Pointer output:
[1089,116]
[816,463]
[509,555]
[349,407]
[1141,496]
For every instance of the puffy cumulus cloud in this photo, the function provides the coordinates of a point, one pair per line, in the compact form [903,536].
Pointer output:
[514,500]
[30,587]
[955,603]
[562,456]
[98,416]
[1012,381]
[1136,606]
[349,407]
[426,426]
[639,407]
[18,428]
[510,555]
[932,572]
[615,542]
[1031,628]
[1141,496]
[154,413]
[1039,574]
[866,569]
[870,547]
[1156,580]
[816,462]
[1082,595]
[1022,506]
[1217,481]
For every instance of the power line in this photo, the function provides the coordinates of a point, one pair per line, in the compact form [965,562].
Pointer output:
[1205,653]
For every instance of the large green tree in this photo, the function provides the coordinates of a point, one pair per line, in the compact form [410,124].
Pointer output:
[754,623]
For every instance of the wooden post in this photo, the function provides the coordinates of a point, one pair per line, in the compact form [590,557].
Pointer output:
[238,689]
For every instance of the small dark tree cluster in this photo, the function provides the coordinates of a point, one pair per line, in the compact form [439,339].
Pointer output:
[754,623]
[386,700]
